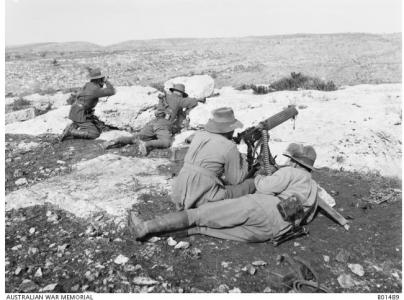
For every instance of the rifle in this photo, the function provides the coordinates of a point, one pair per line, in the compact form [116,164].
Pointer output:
[257,136]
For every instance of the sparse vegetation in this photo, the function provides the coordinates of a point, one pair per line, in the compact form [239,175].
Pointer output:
[20,103]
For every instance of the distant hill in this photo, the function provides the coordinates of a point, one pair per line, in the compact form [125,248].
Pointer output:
[55,47]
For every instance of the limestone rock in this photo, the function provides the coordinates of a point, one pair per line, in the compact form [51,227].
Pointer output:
[121,259]
[129,109]
[109,184]
[355,145]
[197,86]
[346,281]
[53,121]
[20,115]
[356,269]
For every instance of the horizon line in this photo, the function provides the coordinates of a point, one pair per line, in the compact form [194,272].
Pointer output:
[199,38]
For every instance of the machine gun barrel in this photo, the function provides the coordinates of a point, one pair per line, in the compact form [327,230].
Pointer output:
[279,118]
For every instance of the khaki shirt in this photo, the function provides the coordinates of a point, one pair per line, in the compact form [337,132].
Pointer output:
[211,162]
[174,105]
[87,99]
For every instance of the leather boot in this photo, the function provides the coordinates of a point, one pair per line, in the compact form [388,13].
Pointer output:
[81,134]
[168,222]
[66,133]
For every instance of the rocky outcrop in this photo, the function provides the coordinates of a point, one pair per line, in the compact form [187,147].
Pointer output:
[129,109]
[109,184]
[20,115]
[198,86]
[356,128]
[52,122]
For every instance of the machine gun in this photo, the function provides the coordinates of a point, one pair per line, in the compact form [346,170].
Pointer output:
[257,136]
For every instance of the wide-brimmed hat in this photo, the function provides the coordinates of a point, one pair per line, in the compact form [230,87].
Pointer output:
[223,121]
[303,155]
[179,87]
[95,74]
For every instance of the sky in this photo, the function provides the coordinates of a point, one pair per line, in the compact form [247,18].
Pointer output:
[106,22]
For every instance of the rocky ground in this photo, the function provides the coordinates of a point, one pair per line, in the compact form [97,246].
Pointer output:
[50,249]
[346,59]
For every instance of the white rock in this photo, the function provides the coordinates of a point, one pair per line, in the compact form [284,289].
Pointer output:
[171,242]
[113,184]
[21,181]
[141,280]
[346,281]
[121,259]
[129,109]
[235,290]
[356,269]
[225,264]
[20,115]
[61,162]
[182,245]
[154,239]
[267,290]
[32,250]
[259,263]
[16,247]
[32,230]
[374,145]
[53,122]
[326,258]
[197,86]
[17,271]
[48,288]
[38,273]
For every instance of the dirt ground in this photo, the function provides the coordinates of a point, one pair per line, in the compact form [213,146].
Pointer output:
[78,255]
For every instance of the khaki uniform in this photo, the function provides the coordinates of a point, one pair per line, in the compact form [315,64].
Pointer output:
[174,106]
[209,157]
[82,110]
[157,133]
[255,217]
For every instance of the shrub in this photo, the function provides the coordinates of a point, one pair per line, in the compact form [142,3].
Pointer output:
[20,103]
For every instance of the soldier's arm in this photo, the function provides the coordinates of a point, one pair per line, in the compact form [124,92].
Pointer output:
[235,168]
[188,103]
[109,90]
[272,184]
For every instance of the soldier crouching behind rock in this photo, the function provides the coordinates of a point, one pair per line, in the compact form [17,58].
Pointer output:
[157,133]
[85,124]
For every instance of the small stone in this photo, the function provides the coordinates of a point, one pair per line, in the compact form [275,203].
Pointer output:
[17,173]
[60,162]
[17,271]
[53,218]
[38,273]
[75,288]
[117,240]
[48,213]
[223,288]
[182,245]
[63,247]
[16,247]
[342,256]
[225,264]
[171,242]
[296,244]
[267,290]
[32,230]
[196,252]
[235,290]
[154,239]
[326,258]
[252,270]
[121,259]
[27,286]
[21,181]
[32,250]
[345,281]
[141,280]
[259,263]
[48,288]
[356,269]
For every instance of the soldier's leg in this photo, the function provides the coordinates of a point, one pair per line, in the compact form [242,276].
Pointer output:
[85,130]
[236,219]
[163,139]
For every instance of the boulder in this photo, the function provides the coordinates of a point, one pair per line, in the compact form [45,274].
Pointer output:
[129,109]
[20,115]
[55,101]
[109,184]
[197,86]
[361,119]
[53,122]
